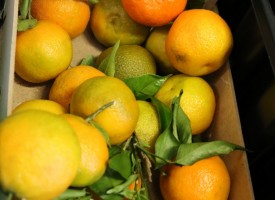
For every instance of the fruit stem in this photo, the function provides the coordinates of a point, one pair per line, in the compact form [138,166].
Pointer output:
[92,116]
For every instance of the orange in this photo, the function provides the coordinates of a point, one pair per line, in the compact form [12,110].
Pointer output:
[72,15]
[130,61]
[198,100]
[119,120]
[40,104]
[199,42]
[65,83]
[135,186]
[153,13]
[94,151]
[40,154]
[42,52]
[155,43]
[148,126]
[110,23]
[206,179]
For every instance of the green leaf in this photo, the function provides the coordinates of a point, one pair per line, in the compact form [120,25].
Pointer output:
[188,154]
[108,64]
[89,60]
[164,113]
[109,180]
[166,147]
[26,24]
[181,123]
[121,163]
[111,197]
[115,149]
[119,188]
[145,86]
[71,193]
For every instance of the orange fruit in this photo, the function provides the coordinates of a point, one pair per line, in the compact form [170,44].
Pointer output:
[119,120]
[206,179]
[42,52]
[199,42]
[94,151]
[40,104]
[155,44]
[148,126]
[197,101]
[135,186]
[72,15]
[110,23]
[153,13]
[40,154]
[66,82]
[130,61]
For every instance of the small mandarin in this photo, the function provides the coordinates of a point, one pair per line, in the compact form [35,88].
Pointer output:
[154,13]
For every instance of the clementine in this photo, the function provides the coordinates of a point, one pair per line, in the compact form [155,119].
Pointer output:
[153,13]
[72,15]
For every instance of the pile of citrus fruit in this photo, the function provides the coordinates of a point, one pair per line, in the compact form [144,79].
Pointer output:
[112,123]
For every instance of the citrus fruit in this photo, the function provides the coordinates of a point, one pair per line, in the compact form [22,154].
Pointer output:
[153,13]
[40,104]
[110,23]
[94,151]
[130,61]
[206,179]
[135,186]
[148,126]
[155,43]
[199,42]
[72,15]
[197,101]
[119,119]
[40,154]
[66,82]
[42,52]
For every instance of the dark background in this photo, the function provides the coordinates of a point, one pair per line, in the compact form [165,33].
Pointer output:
[253,78]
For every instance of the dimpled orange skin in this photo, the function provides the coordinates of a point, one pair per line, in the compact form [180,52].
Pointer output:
[66,82]
[72,15]
[40,154]
[206,179]
[199,42]
[42,52]
[94,151]
[153,12]
[119,119]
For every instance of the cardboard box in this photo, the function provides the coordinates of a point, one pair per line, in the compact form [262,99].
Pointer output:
[226,124]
